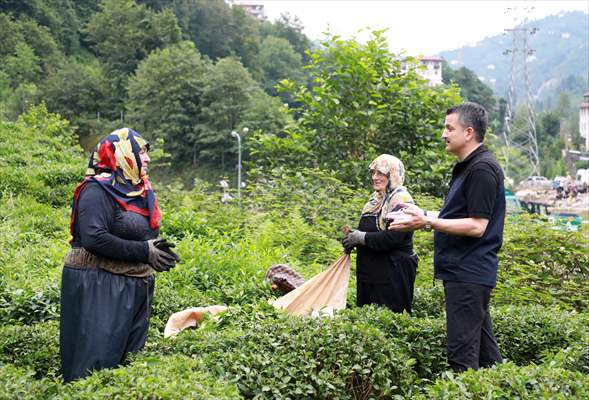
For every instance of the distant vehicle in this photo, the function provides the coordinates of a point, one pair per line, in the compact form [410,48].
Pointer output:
[559,181]
[583,176]
[582,179]
[537,182]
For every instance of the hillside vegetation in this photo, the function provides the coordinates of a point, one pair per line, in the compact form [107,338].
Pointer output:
[253,351]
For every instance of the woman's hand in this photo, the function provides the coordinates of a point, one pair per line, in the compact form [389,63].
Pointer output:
[159,259]
[353,239]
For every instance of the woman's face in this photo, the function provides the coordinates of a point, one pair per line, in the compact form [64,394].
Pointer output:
[379,180]
[144,162]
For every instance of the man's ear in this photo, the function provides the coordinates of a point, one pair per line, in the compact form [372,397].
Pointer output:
[470,134]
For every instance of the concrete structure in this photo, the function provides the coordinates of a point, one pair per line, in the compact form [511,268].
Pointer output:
[254,9]
[433,70]
[584,120]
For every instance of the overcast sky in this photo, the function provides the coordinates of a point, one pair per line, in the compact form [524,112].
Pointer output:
[419,27]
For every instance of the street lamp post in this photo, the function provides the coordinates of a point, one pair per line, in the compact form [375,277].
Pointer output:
[236,135]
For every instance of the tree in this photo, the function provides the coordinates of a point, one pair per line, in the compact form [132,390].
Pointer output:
[59,17]
[165,99]
[123,34]
[218,30]
[289,28]
[226,97]
[471,88]
[278,61]
[363,104]
[81,92]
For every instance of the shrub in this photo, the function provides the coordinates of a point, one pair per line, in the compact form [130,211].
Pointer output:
[28,306]
[19,383]
[428,302]
[525,332]
[539,264]
[39,157]
[174,377]
[575,357]
[34,347]
[509,381]
[270,355]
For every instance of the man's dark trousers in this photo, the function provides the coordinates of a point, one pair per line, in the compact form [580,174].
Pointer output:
[470,341]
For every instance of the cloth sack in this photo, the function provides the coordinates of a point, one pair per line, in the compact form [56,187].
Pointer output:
[189,317]
[326,289]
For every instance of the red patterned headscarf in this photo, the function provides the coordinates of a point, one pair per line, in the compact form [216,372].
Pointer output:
[115,165]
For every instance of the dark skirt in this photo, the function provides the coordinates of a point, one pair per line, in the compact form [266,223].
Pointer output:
[103,317]
[397,292]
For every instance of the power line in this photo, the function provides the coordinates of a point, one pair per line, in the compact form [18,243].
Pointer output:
[522,137]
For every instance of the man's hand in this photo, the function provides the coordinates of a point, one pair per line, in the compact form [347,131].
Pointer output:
[410,218]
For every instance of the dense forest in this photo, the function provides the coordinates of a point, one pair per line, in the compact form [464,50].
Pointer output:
[185,73]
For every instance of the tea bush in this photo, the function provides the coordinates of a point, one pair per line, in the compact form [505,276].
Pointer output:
[525,332]
[20,383]
[575,357]
[39,157]
[176,377]
[543,265]
[28,306]
[270,355]
[35,347]
[509,381]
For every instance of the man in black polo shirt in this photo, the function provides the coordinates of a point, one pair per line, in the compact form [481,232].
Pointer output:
[468,235]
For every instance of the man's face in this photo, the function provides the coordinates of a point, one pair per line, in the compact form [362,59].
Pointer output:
[455,135]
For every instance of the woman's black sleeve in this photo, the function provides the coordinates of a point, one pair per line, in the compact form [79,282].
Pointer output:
[95,214]
[387,240]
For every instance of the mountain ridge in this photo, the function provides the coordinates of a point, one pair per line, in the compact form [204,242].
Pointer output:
[560,61]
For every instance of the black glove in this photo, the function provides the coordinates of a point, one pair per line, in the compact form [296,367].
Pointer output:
[159,259]
[353,239]
[166,246]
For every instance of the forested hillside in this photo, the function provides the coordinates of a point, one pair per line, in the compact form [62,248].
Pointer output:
[560,62]
[186,71]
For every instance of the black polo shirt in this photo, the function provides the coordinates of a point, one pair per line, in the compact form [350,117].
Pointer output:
[476,191]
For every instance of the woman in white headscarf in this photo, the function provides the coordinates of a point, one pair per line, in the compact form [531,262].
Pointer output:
[385,264]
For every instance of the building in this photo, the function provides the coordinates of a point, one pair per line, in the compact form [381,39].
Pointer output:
[584,120]
[433,70]
[254,9]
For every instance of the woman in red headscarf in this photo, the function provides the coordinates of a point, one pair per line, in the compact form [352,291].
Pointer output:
[386,266]
[107,280]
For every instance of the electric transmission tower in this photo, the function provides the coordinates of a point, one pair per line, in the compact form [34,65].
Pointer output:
[521,136]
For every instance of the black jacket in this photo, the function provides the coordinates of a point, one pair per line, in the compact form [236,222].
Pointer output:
[383,251]
[104,229]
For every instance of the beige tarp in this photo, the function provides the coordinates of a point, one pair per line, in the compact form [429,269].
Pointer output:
[189,317]
[328,289]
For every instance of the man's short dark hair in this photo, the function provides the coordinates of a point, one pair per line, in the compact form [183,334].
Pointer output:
[472,115]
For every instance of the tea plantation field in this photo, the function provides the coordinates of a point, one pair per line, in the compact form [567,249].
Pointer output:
[252,351]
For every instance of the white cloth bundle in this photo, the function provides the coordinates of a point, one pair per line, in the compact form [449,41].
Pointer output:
[326,289]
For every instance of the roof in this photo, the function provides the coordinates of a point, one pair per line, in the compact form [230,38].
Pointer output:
[435,58]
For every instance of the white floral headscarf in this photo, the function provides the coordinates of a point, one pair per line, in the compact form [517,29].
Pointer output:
[382,202]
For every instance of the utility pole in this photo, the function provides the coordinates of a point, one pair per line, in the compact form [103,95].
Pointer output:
[524,137]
